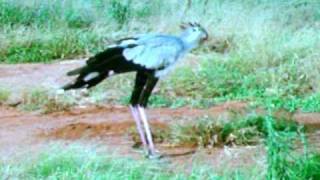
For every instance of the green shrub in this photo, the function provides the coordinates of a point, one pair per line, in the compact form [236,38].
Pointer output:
[120,11]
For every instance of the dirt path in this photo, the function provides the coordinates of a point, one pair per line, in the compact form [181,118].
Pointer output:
[19,77]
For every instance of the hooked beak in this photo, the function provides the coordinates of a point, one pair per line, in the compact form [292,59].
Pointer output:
[206,37]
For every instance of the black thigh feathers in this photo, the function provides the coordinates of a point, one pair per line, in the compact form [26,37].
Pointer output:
[144,84]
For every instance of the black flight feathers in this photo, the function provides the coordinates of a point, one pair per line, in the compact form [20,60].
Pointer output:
[104,56]
[98,60]
[100,66]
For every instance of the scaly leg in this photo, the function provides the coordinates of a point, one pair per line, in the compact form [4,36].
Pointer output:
[151,149]
[136,118]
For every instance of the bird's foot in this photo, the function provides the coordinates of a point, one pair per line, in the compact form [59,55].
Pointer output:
[158,158]
[155,155]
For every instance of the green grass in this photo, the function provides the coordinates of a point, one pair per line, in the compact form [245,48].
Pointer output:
[42,45]
[42,31]
[78,162]
[305,167]
[284,161]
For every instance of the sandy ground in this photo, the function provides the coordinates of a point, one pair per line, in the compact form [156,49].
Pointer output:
[109,126]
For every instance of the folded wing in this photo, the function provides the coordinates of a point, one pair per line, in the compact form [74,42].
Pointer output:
[155,53]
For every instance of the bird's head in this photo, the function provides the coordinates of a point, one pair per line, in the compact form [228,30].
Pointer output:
[194,33]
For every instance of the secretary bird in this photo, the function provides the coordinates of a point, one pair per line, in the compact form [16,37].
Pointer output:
[151,56]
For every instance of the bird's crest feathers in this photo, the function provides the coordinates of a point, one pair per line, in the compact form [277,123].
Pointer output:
[189,24]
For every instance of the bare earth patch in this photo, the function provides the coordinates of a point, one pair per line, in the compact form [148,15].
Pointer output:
[19,77]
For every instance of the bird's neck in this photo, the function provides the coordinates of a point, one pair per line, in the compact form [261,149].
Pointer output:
[189,42]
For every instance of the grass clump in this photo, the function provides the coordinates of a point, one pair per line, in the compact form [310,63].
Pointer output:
[4,95]
[208,132]
[43,101]
[305,167]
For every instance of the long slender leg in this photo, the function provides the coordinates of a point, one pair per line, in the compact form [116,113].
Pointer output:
[136,118]
[144,85]
[140,82]
[151,150]
[152,81]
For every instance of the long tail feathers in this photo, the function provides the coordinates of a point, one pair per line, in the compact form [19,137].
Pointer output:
[96,69]
[86,81]
[75,71]
[74,85]
[88,75]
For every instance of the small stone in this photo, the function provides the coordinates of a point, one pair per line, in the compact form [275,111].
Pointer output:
[14,101]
